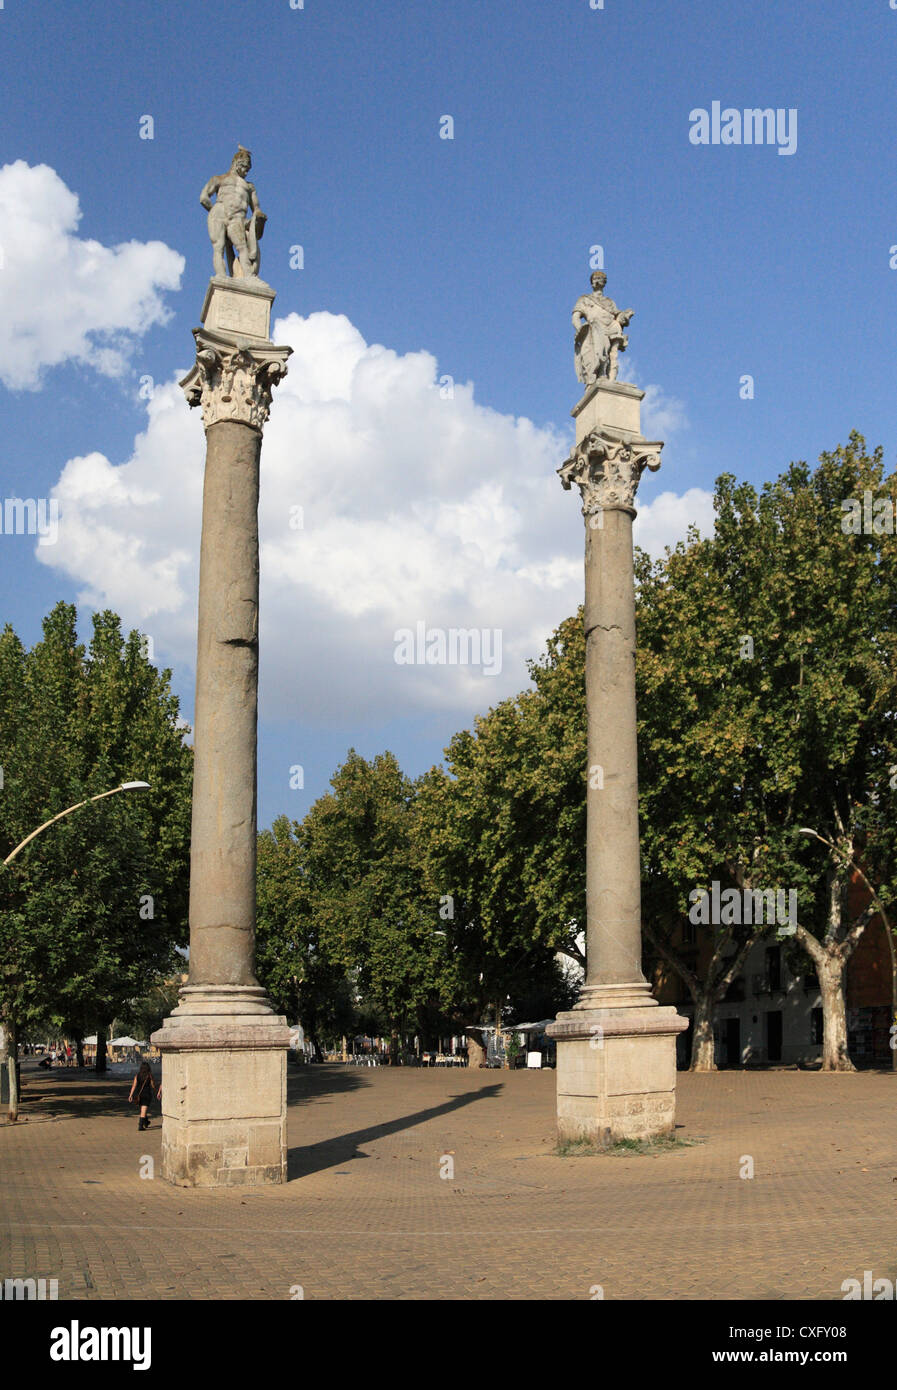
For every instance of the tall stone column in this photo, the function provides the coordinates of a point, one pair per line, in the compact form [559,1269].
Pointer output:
[616,1050]
[223,1047]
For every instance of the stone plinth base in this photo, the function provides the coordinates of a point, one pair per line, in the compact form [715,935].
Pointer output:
[223,1099]
[616,1073]
[235,306]
[609,406]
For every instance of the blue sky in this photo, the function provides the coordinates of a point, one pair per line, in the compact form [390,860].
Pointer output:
[571,129]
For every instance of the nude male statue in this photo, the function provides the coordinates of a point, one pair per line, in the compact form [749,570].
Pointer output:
[229,232]
[599,328]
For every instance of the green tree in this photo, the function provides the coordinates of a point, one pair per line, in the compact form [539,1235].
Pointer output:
[291,961]
[494,821]
[92,909]
[341,898]
[783,717]
[830,660]
[713,801]
[766,695]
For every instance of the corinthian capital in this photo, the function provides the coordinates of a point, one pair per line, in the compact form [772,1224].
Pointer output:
[233,383]
[607,471]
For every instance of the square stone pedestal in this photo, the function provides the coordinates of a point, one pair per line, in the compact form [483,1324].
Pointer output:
[609,406]
[616,1073]
[238,307]
[224,1100]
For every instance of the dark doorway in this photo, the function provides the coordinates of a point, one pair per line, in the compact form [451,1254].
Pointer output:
[774,1036]
[732,1042]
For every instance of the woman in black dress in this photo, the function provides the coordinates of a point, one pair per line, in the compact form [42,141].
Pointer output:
[142,1089]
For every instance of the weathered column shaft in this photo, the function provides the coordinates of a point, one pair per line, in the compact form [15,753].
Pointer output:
[616,1067]
[223,1047]
[223,839]
[613,867]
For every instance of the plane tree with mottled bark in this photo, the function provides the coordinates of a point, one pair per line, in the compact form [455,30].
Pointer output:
[782,717]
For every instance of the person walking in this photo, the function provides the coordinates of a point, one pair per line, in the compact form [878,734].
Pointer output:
[142,1088]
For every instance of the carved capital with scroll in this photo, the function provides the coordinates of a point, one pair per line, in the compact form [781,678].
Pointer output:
[233,383]
[607,471]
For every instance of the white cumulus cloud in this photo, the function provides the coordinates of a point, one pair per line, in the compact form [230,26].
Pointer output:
[667,518]
[416,507]
[662,415]
[67,299]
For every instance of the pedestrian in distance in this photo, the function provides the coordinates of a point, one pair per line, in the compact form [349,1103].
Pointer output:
[142,1090]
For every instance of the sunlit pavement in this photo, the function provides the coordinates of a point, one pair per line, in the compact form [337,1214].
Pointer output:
[443,1184]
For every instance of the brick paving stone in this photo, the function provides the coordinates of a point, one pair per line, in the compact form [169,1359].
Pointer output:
[366,1213]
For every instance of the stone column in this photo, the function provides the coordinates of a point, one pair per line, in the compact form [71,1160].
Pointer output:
[223,1048]
[616,1068]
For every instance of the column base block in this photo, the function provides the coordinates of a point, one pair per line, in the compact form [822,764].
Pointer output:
[616,1073]
[224,1099]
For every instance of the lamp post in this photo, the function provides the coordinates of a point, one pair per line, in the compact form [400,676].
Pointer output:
[11,1086]
[125,787]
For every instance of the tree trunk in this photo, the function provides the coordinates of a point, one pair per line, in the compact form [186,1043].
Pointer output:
[79,1051]
[476,1052]
[721,971]
[835,1056]
[830,960]
[891,1038]
[101,1049]
[12,1033]
[702,1045]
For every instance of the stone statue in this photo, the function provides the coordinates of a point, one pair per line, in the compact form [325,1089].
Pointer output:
[229,232]
[599,328]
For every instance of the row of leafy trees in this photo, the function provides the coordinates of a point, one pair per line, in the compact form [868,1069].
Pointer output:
[766,686]
[357,929]
[767,704]
[92,909]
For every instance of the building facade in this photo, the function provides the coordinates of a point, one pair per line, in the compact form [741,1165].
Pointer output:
[772,1012]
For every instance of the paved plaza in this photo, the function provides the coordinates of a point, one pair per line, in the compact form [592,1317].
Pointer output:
[368,1214]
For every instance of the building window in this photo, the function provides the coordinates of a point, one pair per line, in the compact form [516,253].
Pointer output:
[816,1027]
[689,935]
[774,968]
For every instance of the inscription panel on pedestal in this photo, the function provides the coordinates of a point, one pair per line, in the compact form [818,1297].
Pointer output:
[232,312]
[638,1065]
[225,1086]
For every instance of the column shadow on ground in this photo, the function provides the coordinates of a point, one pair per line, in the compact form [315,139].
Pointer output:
[328,1153]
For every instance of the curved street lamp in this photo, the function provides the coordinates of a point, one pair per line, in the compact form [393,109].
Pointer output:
[124,787]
